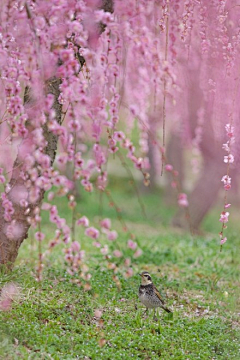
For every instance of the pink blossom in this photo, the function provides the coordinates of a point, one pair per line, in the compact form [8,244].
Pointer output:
[182,200]
[34,194]
[226,206]
[79,162]
[104,250]
[5,304]
[97,244]
[68,257]
[105,223]
[99,155]
[226,180]
[51,196]
[62,159]
[131,244]
[111,142]
[117,253]
[169,167]
[15,230]
[74,126]
[224,217]
[10,290]
[223,240]
[129,273]
[134,110]
[75,246]
[23,203]
[113,149]
[102,181]
[92,232]
[58,180]
[72,203]
[8,207]
[127,262]
[137,253]
[18,193]
[9,293]
[87,185]
[226,147]
[230,130]
[49,100]
[46,206]
[83,221]
[229,159]
[112,235]
[111,266]
[81,255]
[119,135]
[39,236]
[52,243]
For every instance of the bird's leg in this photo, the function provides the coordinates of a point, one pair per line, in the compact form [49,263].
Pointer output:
[154,315]
[146,311]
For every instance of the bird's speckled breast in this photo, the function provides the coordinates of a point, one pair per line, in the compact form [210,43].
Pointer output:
[148,297]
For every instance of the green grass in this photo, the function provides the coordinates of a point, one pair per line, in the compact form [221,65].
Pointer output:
[55,319]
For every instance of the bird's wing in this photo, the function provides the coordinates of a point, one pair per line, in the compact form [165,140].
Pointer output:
[158,294]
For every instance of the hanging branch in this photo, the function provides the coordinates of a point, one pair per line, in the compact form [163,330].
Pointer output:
[165,86]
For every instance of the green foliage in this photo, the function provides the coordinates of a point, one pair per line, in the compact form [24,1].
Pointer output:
[55,319]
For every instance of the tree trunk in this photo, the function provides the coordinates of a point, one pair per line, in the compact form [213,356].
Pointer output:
[203,196]
[206,189]
[9,246]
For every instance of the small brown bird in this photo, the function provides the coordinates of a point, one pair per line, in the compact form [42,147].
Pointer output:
[149,294]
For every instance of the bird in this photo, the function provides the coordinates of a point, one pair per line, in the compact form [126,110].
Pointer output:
[149,294]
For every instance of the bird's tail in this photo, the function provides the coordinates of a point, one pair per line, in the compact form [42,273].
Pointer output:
[166,309]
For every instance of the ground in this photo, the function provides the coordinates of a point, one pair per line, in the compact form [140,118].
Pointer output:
[55,319]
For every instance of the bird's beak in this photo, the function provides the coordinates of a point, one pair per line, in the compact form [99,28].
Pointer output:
[140,274]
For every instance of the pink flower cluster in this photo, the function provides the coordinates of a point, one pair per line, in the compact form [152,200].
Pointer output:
[226,179]
[106,229]
[92,232]
[229,158]
[74,257]
[39,236]
[8,207]
[227,182]
[54,218]
[9,293]
[224,217]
